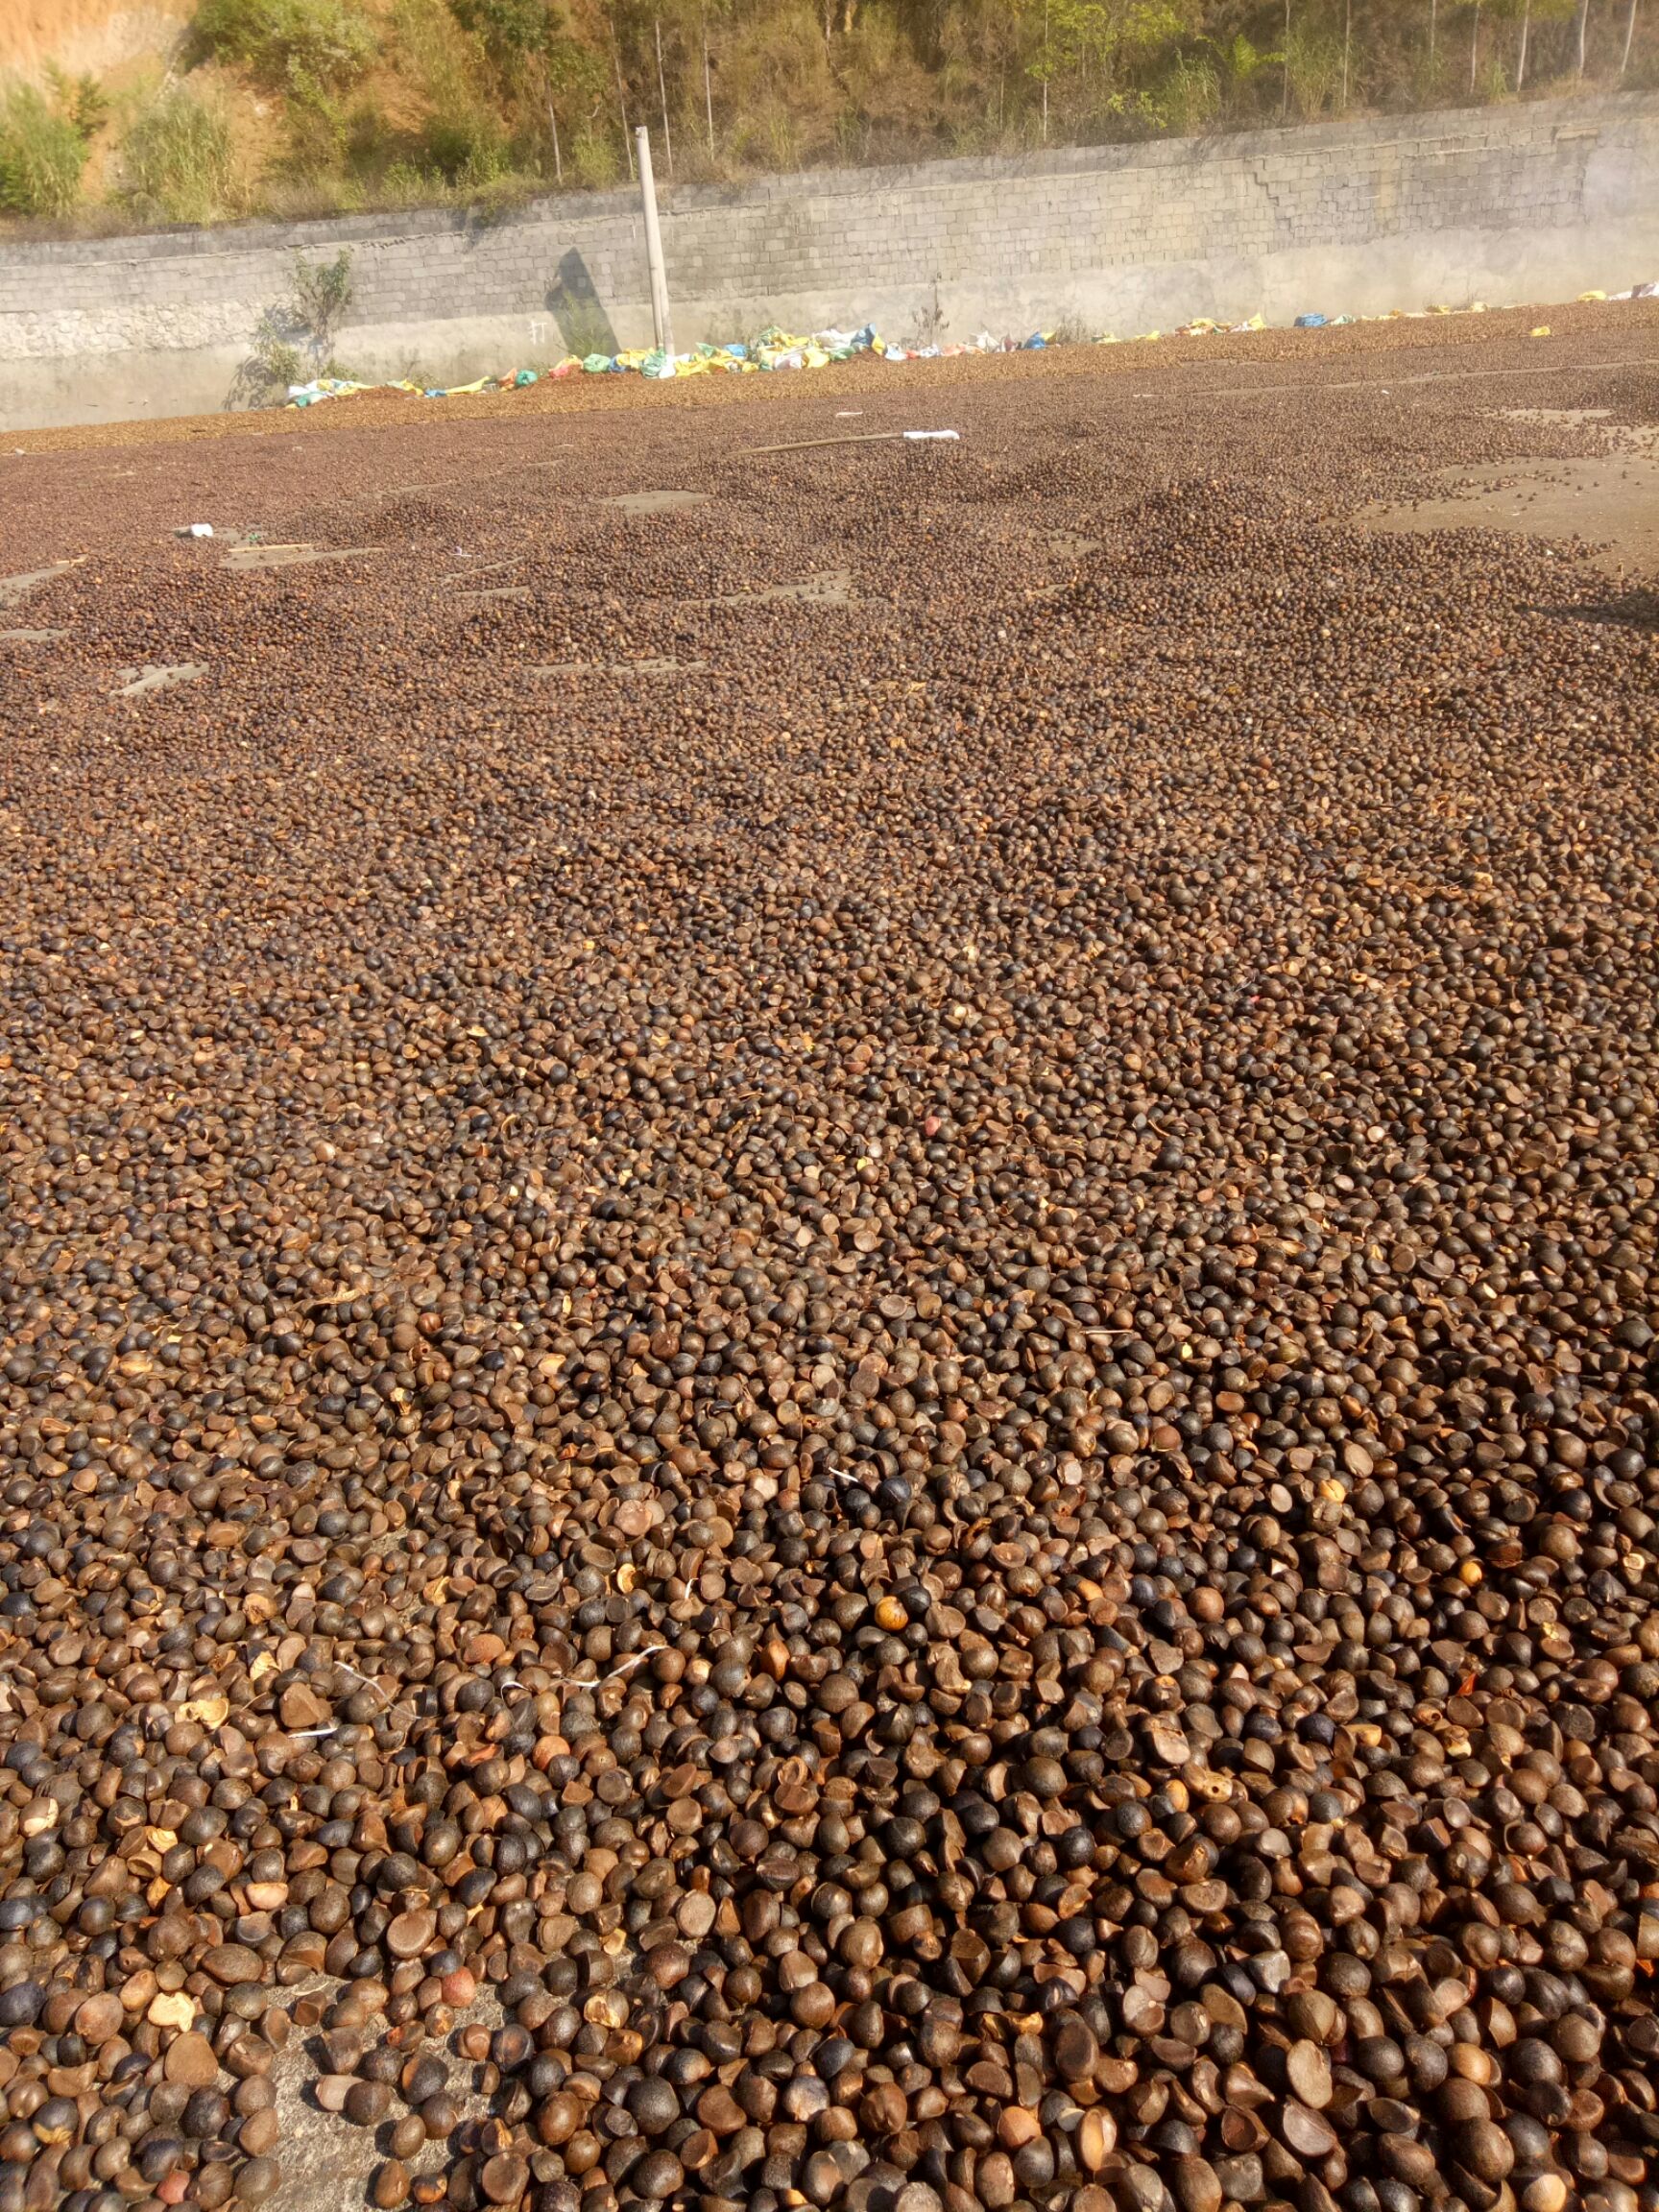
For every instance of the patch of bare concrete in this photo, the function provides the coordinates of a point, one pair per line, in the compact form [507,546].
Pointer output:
[1628,437]
[292,556]
[1555,418]
[492,597]
[328,2161]
[657,666]
[15,587]
[31,636]
[833,588]
[1611,503]
[140,681]
[478,570]
[640,504]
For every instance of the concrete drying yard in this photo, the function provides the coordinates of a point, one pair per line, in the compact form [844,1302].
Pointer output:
[827,1290]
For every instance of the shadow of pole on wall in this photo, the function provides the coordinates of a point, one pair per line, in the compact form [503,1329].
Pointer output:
[575,305]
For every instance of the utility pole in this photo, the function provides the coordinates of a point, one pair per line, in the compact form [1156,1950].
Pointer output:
[1285,101]
[552,121]
[621,99]
[1045,72]
[663,89]
[654,246]
[708,85]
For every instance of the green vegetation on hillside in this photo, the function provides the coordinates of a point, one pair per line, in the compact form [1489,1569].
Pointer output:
[178,157]
[314,105]
[45,139]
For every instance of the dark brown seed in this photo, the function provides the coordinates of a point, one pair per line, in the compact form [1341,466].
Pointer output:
[259,2133]
[504,2178]
[410,1934]
[1196,2187]
[1076,2050]
[1483,2147]
[408,2135]
[231,1963]
[657,2176]
[390,2187]
[366,2104]
[440,2116]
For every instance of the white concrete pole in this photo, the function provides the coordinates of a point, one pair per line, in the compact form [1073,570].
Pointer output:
[654,246]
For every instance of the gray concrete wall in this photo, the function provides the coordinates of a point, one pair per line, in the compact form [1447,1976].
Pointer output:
[1536,201]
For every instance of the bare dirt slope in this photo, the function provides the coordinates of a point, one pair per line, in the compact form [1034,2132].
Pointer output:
[100,36]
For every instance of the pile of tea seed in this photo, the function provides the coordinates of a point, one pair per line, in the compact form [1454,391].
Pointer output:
[829,1369]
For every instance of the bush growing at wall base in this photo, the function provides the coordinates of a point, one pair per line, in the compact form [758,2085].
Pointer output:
[294,337]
